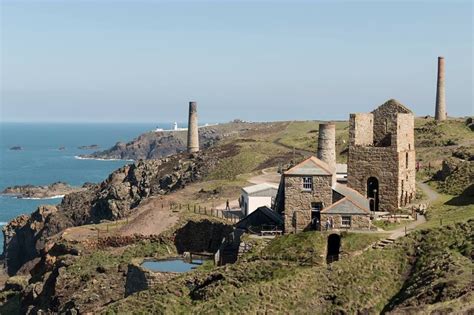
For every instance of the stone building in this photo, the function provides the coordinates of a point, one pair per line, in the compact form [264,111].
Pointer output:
[381,161]
[307,197]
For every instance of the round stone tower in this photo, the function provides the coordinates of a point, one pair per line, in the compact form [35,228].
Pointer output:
[440,113]
[327,144]
[193,132]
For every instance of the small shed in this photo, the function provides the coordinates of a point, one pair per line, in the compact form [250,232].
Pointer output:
[262,219]
[253,197]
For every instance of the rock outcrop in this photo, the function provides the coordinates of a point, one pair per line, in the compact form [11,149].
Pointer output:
[43,191]
[114,198]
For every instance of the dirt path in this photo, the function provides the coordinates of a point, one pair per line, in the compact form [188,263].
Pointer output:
[431,196]
[429,192]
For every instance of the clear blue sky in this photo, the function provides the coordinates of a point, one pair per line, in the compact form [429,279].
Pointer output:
[144,60]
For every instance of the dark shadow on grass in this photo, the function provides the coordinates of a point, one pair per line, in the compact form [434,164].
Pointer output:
[464,199]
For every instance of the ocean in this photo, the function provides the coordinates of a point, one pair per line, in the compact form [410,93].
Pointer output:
[40,162]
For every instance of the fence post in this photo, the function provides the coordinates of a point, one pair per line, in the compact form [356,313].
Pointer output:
[405,230]
[205,210]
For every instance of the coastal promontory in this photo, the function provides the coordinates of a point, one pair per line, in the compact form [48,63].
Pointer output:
[41,191]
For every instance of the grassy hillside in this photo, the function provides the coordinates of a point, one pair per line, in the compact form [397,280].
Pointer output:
[433,263]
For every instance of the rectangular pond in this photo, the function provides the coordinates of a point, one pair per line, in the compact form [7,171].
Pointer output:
[171,265]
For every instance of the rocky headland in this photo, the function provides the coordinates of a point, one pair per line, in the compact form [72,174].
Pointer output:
[41,192]
[89,147]
[158,144]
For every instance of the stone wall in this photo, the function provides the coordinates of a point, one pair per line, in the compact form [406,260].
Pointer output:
[358,222]
[386,157]
[139,278]
[298,202]
[201,236]
[361,129]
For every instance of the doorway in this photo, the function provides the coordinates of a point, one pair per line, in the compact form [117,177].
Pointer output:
[316,208]
[334,244]
[373,193]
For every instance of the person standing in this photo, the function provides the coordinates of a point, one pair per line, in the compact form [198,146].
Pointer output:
[227,205]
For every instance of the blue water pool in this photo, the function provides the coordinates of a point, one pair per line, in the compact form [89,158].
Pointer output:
[172,265]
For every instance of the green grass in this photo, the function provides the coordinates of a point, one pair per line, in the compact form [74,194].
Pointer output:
[352,242]
[389,226]
[368,282]
[250,156]
[448,210]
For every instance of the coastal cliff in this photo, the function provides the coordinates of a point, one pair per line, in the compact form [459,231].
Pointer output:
[114,198]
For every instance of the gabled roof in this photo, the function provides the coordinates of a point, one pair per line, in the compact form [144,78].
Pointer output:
[344,206]
[310,166]
[259,187]
[396,105]
[353,196]
[263,215]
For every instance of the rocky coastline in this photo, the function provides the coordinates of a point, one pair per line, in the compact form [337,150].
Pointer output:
[115,198]
[54,190]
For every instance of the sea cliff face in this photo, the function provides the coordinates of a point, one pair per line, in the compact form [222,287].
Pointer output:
[114,198]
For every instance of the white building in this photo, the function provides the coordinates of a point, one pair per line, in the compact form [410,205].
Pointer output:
[341,173]
[253,197]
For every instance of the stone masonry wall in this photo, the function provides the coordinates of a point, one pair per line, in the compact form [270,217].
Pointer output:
[139,278]
[392,162]
[361,129]
[378,162]
[358,222]
[298,202]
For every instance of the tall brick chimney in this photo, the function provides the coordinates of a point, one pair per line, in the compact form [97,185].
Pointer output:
[440,113]
[193,132]
[327,144]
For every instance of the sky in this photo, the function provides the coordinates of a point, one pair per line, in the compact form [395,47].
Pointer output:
[142,61]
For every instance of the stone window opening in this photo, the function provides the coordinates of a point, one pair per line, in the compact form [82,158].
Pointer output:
[406,160]
[346,221]
[307,184]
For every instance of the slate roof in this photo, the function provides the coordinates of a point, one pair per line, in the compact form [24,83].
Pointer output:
[259,188]
[310,166]
[361,201]
[261,216]
[345,206]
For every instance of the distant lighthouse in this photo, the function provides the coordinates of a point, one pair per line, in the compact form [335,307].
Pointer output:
[193,132]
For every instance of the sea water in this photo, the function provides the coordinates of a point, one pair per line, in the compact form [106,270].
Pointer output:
[40,162]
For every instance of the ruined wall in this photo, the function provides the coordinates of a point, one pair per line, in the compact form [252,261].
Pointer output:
[201,236]
[384,158]
[139,278]
[358,222]
[361,129]
[298,202]
[378,162]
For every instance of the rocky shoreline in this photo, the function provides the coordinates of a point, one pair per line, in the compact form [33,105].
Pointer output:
[54,190]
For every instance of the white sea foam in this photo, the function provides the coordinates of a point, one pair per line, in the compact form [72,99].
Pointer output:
[36,198]
[100,159]
[3,223]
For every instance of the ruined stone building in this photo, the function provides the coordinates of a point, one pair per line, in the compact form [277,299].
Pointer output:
[381,161]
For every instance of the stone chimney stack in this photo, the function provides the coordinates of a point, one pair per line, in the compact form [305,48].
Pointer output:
[440,113]
[327,145]
[193,132]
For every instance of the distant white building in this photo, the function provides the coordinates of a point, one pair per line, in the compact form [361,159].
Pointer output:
[253,197]
[341,173]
